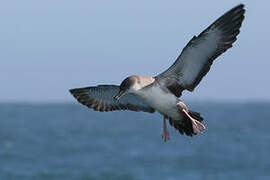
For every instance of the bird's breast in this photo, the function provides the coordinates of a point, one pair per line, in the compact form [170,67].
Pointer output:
[162,101]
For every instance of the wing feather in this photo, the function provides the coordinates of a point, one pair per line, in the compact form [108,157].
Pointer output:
[100,98]
[195,60]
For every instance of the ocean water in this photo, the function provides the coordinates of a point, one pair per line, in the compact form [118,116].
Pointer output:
[70,142]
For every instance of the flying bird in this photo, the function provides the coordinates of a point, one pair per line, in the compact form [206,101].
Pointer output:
[162,92]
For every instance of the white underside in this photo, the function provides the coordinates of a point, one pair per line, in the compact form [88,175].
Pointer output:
[162,101]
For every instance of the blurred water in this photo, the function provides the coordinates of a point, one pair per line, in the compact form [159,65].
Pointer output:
[65,141]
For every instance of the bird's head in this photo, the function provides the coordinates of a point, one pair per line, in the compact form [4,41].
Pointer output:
[128,85]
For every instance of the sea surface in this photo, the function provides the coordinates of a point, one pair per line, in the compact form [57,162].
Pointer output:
[71,142]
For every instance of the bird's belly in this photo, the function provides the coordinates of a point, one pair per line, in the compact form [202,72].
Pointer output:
[162,101]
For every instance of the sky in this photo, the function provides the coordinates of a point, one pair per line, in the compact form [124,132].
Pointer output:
[48,47]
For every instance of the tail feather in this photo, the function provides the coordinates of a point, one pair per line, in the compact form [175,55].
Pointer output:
[196,115]
[185,126]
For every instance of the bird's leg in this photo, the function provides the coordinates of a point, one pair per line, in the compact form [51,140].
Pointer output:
[165,133]
[197,126]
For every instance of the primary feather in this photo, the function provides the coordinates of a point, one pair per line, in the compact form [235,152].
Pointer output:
[197,57]
[100,98]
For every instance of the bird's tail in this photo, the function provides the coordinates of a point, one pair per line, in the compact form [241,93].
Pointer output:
[185,126]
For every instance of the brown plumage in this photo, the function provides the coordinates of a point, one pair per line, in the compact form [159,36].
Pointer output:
[100,98]
[185,126]
[161,93]
[212,42]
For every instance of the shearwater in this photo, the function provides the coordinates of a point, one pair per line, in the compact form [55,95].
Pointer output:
[162,92]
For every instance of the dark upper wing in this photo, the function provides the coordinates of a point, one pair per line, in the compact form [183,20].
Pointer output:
[100,98]
[198,55]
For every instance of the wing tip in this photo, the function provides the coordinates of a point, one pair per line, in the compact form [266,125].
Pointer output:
[71,91]
[237,7]
[75,90]
[241,5]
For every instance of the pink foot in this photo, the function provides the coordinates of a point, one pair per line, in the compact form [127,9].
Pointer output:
[197,126]
[165,133]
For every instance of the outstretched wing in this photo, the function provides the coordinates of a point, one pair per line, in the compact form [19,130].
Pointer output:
[196,58]
[100,98]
